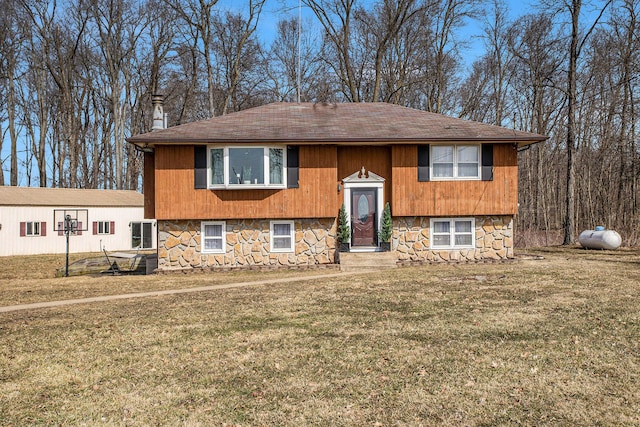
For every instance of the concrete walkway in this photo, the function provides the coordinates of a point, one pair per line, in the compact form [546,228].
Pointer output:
[48,304]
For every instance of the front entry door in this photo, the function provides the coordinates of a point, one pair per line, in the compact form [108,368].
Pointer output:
[363,217]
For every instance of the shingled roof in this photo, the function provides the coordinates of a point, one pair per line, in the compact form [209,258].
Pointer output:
[349,123]
[69,197]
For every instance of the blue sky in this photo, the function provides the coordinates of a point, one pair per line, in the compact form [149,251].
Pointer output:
[274,10]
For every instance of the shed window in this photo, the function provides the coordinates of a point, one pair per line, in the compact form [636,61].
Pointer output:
[104,227]
[33,229]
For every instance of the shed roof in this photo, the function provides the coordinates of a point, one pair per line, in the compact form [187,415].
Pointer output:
[69,197]
[374,123]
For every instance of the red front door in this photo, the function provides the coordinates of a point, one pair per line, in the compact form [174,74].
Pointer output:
[363,217]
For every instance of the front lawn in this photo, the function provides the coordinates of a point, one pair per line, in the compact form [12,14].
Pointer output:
[534,342]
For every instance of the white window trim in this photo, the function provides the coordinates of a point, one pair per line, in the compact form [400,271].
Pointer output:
[455,176]
[32,234]
[108,227]
[223,237]
[292,235]
[452,233]
[228,185]
[142,235]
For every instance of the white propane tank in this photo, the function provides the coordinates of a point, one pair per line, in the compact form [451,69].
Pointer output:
[600,239]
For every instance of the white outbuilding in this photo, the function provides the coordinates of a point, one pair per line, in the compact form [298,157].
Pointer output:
[32,221]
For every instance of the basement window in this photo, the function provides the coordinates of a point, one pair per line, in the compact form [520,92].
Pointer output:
[213,237]
[246,167]
[452,233]
[282,236]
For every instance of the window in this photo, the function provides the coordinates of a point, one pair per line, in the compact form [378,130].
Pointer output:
[452,233]
[253,167]
[282,236]
[455,162]
[32,229]
[213,237]
[141,237]
[103,227]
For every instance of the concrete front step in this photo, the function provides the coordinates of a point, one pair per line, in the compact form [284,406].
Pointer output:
[356,261]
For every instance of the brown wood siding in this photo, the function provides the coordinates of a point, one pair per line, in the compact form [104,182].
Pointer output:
[454,198]
[176,198]
[149,186]
[321,170]
[375,159]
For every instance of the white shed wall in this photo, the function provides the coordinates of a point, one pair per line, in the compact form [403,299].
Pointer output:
[11,243]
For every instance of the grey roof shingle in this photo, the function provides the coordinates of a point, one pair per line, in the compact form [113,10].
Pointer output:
[348,123]
[69,197]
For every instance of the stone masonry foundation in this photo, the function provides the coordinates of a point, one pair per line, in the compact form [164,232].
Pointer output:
[247,244]
[493,241]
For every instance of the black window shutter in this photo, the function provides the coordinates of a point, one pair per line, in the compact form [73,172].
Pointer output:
[487,162]
[200,166]
[423,163]
[292,167]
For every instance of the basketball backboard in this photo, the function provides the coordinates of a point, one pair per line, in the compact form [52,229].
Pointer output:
[72,219]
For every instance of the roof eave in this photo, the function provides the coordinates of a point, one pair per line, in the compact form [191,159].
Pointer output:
[520,142]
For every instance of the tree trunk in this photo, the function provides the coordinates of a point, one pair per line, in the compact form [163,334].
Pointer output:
[569,222]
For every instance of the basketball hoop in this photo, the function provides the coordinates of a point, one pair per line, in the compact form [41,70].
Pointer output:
[70,222]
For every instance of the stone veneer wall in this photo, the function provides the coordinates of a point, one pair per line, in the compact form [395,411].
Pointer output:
[494,240]
[247,244]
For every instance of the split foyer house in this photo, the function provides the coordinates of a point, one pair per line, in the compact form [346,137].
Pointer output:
[264,186]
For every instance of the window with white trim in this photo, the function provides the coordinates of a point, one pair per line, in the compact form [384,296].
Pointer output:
[455,162]
[453,233]
[103,227]
[246,167]
[32,228]
[282,236]
[213,237]
[141,235]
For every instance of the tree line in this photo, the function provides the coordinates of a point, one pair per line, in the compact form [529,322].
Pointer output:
[76,78]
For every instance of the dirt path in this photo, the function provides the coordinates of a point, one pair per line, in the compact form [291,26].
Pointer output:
[60,303]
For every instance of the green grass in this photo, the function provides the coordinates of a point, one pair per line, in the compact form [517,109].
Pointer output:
[544,342]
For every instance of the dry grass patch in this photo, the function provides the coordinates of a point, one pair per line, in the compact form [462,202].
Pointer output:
[31,279]
[535,342]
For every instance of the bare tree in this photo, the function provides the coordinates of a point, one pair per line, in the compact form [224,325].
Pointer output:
[237,50]
[336,18]
[382,25]
[537,103]
[11,40]
[199,15]
[282,62]
[447,17]
[577,42]
[484,93]
[117,27]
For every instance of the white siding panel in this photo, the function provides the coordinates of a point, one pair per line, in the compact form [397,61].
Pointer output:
[11,243]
